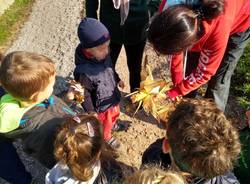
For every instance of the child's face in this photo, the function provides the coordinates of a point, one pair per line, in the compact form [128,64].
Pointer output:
[47,92]
[100,52]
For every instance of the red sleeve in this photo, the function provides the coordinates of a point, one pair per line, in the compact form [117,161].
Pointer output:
[210,58]
[176,68]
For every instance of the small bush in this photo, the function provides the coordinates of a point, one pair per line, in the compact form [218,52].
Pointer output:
[241,80]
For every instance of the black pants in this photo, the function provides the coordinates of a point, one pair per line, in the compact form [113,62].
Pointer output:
[12,168]
[134,55]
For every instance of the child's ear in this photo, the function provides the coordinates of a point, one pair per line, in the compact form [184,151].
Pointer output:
[34,97]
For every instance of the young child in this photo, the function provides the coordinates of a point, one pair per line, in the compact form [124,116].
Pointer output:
[95,72]
[28,110]
[82,156]
[155,176]
[201,142]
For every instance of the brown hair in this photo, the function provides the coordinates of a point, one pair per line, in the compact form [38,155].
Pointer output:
[203,142]
[155,175]
[78,149]
[179,26]
[22,74]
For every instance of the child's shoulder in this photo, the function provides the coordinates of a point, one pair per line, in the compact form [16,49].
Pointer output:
[10,113]
[51,107]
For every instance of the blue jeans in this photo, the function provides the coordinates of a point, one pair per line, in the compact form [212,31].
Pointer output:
[219,84]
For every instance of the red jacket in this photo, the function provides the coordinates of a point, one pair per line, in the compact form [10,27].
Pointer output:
[211,46]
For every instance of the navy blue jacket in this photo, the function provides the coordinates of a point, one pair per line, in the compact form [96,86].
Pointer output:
[99,80]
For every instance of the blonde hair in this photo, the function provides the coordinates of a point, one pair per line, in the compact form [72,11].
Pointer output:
[22,74]
[77,148]
[155,176]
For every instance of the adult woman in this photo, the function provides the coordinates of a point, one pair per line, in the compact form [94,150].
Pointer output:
[126,21]
[214,34]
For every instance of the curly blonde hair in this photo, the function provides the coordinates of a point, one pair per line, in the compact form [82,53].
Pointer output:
[77,148]
[155,175]
[203,142]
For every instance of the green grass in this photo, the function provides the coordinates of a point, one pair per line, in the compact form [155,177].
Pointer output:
[241,79]
[11,20]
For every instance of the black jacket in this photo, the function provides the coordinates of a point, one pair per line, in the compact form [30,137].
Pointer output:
[134,29]
[38,129]
[154,155]
[99,80]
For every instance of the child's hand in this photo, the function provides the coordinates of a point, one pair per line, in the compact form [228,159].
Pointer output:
[121,84]
[75,91]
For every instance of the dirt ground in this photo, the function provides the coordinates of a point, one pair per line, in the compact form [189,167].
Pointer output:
[51,30]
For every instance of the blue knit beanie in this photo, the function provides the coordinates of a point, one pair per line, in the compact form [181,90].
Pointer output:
[92,33]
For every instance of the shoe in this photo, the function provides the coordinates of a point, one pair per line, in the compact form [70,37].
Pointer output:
[121,126]
[114,143]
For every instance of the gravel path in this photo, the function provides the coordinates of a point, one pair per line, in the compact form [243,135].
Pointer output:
[51,30]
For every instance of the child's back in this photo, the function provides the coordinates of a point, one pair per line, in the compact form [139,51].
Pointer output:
[82,155]
[28,111]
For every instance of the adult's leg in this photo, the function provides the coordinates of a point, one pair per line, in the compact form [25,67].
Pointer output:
[12,168]
[115,50]
[134,60]
[219,84]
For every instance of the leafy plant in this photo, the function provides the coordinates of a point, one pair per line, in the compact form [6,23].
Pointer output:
[241,80]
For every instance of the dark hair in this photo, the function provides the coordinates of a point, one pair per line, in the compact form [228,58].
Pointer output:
[179,26]
[210,9]
[23,73]
[203,142]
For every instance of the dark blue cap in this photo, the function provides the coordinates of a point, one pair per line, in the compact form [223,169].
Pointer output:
[92,33]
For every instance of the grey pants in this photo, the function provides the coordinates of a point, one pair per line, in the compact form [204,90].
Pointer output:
[219,84]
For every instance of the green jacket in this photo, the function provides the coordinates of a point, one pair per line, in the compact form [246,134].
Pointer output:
[11,113]
[36,126]
[134,29]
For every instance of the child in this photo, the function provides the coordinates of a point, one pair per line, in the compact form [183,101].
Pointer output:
[82,156]
[127,21]
[201,142]
[27,110]
[155,176]
[95,72]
